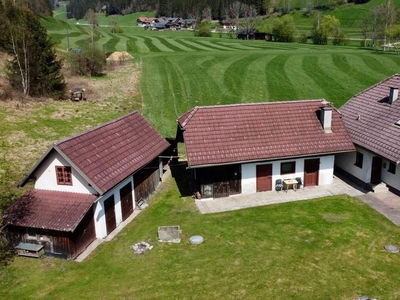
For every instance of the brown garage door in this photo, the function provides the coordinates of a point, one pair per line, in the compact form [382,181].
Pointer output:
[126,201]
[264,178]
[109,208]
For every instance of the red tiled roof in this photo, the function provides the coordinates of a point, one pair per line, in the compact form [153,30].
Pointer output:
[250,132]
[61,211]
[370,119]
[109,153]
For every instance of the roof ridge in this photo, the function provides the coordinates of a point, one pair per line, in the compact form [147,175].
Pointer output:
[261,103]
[375,85]
[59,142]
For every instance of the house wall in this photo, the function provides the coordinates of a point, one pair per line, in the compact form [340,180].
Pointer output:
[46,177]
[346,162]
[99,213]
[249,181]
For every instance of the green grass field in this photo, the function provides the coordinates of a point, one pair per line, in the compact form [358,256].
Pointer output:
[181,71]
[329,248]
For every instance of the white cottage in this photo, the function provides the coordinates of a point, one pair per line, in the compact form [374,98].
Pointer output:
[86,185]
[249,148]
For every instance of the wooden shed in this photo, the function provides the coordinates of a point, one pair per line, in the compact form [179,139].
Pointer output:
[61,222]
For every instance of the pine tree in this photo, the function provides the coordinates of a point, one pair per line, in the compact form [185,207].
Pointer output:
[34,69]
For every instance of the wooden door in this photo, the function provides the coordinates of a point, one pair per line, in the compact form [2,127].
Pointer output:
[311,172]
[109,208]
[264,178]
[376,169]
[126,201]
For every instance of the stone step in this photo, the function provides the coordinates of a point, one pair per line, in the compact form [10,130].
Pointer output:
[379,188]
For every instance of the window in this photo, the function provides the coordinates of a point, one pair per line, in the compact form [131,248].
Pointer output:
[64,175]
[392,168]
[359,159]
[288,167]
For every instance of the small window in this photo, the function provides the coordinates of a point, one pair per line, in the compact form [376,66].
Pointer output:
[392,168]
[288,167]
[64,175]
[359,159]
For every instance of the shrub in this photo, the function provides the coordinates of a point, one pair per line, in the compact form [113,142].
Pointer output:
[303,38]
[87,62]
[203,30]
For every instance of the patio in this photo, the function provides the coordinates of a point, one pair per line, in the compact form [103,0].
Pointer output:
[338,186]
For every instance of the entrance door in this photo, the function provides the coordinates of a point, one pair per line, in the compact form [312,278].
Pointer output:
[126,201]
[109,208]
[264,178]
[311,172]
[376,169]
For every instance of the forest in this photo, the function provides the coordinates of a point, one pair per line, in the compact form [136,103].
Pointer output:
[197,9]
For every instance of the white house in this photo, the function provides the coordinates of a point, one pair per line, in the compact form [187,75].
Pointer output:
[248,148]
[372,119]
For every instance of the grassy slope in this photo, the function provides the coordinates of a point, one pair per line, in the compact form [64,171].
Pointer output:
[329,248]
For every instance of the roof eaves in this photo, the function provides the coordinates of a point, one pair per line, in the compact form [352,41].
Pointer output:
[35,166]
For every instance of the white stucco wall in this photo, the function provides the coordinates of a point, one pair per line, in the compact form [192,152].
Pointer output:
[46,178]
[99,213]
[249,181]
[390,178]
[346,161]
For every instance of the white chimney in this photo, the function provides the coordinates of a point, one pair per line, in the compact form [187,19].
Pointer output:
[326,116]
[394,94]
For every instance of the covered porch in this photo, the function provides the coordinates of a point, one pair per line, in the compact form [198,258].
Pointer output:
[235,202]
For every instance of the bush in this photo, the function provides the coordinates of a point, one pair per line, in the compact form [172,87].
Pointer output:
[203,30]
[302,38]
[340,39]
[87,62]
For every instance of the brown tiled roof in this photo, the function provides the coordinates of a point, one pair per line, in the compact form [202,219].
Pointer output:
[370,119]
[251,132]
[109,153]
[61,211]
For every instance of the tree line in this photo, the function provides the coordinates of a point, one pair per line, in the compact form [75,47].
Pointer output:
[196,9]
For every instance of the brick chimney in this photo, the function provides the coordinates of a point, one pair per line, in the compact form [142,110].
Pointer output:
[326,116]
[394,94]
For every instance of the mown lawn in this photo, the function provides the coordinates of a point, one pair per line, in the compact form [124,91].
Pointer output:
[330,248]
[180,71]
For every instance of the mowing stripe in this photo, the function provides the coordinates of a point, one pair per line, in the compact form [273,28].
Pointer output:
[169,45]
[233,76]
[312,67]
[159,45]
[198,46]
[177,45]
[256,83]
[213,45]
[297,76]
[141,45]
[148,42]
[278,83]
[342,62]
[131,45]
[235,45]
[110,45]
[188,45]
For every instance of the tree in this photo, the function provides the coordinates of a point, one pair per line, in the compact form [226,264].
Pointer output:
[393,35]
[203,30]
[249,18]
[34,69]
[283,29]
[329,26]
[91,18]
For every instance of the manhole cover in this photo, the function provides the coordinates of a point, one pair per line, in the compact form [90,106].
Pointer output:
[392,248]
[196,239]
